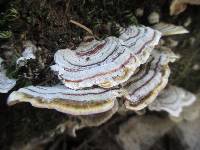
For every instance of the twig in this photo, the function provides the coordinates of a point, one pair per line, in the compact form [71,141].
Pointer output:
[81,26]
[67,6]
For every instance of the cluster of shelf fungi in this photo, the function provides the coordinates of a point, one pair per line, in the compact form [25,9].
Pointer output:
[129,72]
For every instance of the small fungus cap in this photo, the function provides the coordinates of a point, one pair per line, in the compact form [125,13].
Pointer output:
[170,29]
[172,100]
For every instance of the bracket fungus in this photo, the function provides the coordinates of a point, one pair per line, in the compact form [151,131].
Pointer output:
[140,40]
[6,84]
[170,29]
[172,100]
[93,72]
[144,86]
[75,102]
[106,63]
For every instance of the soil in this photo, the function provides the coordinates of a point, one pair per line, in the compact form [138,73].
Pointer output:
[47,24]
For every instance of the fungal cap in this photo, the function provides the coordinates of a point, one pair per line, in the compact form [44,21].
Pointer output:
[144,86]
[104,63]
[172,100]
[170,29]
[81,102]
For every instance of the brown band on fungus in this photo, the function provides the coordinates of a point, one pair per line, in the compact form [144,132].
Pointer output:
[74,108]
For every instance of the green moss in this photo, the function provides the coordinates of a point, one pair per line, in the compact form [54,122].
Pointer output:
[11,15]
[5,34]
[11,69]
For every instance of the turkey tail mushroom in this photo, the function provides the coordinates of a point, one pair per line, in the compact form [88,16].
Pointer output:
[172,100]
[144,86]
[69,101]
[106,63]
